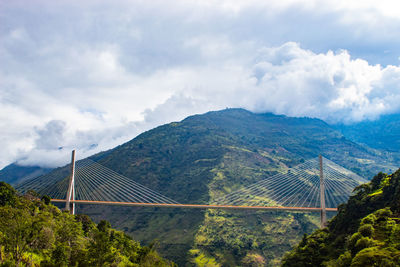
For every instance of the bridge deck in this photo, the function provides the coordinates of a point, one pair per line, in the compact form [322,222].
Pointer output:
[198,206]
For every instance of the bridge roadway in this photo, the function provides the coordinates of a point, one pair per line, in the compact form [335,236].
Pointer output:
[196,206]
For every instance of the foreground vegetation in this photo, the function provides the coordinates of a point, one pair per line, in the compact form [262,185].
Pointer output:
[365,232]
[35,233]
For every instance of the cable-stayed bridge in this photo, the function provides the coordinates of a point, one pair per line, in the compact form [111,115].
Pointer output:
[316,185]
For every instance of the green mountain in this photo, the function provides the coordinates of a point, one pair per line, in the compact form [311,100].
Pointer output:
[382,133]
[35,233]
[14,174]
[207,156]
[365,232]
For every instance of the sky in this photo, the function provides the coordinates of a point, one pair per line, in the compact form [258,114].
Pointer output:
[91,75]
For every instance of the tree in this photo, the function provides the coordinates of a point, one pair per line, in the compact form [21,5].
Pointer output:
[16,226]
[100,248]
[35,233]
[253,260]
[8,195]
[87,223]
[46,199]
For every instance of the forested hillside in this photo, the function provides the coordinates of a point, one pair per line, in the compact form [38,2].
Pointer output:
[208,156]
[365,232]
[382,133]
[35,233]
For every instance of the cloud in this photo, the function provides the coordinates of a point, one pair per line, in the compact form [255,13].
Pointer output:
[93,75]
[297,82]
[51,136]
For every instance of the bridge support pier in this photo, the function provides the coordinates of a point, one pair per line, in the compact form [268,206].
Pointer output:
[322,193]
[71,187]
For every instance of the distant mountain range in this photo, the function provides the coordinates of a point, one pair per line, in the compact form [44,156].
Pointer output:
[383,133]
[206,156]
[14,174]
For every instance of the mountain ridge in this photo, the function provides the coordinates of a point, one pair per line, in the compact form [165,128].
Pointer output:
[382,133]
[206,156]
[15,173]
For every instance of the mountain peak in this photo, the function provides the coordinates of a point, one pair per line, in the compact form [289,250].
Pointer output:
[207,156]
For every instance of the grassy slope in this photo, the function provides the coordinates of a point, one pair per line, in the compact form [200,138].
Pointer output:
[206,156]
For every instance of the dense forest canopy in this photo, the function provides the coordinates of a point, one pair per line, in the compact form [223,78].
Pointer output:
[33,232]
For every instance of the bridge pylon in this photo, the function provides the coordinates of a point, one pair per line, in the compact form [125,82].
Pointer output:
[322,192]
[71,187]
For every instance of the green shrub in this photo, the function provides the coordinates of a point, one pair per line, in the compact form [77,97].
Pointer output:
[362,243]
[370,219]
[8,195]
[373,257]
[366,230]
[383,214]
[344,260]
[353,240]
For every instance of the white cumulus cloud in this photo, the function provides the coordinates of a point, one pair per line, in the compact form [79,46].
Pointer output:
[91,75]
